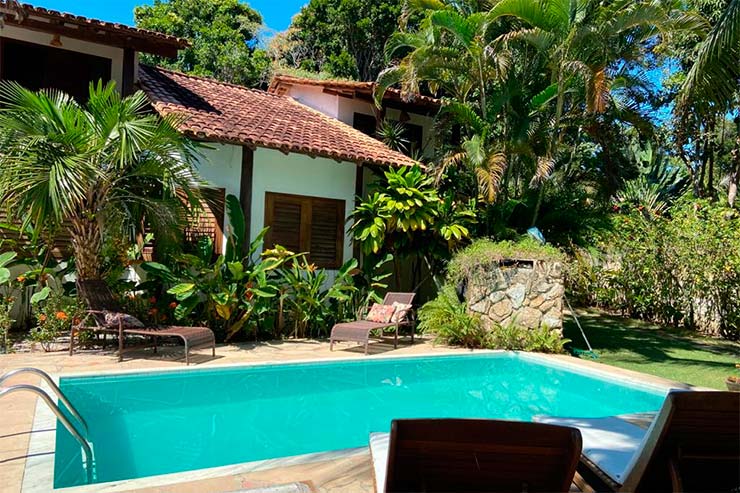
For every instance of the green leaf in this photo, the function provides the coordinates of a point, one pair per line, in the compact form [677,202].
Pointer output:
[236,244]
[186,307]
[4,275]
[6,258]
[182,291]
[41,295]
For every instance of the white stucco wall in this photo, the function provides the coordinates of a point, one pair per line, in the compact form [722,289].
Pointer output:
[315,97]
[300,175]
[70,44]
[221,167]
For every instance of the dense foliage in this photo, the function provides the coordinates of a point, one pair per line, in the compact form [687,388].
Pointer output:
[222,36]
[682,270]
[344,38]
[449,321]
[103,172]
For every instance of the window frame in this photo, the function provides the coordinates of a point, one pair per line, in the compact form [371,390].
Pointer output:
[305,227]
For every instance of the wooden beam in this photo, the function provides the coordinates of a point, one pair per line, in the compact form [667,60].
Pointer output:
[101,36]
[129,67]
[245,191]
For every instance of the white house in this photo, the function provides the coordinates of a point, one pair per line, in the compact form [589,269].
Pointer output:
[352,102]
[295,169]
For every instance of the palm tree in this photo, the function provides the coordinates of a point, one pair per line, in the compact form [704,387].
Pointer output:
[588,44]
[104,170]
[711,88]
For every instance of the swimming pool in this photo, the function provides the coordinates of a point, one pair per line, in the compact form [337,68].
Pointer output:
[154,423]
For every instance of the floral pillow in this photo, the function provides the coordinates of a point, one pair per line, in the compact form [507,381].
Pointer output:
[113,319]
[380,313]
[400,312]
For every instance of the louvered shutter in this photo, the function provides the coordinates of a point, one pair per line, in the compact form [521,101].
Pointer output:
[209,221]
[312,225]
[327,235]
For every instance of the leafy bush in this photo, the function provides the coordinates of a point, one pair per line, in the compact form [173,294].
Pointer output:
[681,270]
[448,319]
[451,323]
[55,314]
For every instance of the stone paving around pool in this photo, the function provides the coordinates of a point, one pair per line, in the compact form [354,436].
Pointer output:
[347,474]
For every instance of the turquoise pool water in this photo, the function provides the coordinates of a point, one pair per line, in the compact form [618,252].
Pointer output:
[157,423]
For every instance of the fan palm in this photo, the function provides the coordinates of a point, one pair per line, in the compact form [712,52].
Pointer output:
[103,170]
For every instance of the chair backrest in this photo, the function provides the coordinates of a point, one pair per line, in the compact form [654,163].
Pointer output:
[405,298]
[466,455]
[98,296]
[692,445]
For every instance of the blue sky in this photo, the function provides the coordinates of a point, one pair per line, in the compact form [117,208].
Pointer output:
[276,13]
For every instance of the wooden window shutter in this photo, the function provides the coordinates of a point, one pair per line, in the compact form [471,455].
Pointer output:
[312,225]
[209,222]
[327,233]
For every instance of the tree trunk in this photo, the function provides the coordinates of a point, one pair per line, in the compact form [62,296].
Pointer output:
[87,242]
[734,175]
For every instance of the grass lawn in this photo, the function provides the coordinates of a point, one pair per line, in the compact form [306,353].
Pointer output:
[647,348]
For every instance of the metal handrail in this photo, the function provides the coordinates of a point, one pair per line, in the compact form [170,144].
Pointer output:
[60,415]
[53,386]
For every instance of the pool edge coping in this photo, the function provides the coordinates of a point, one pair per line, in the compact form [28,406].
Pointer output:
[41,442]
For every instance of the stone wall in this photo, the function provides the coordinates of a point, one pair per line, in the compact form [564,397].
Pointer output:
[526,292]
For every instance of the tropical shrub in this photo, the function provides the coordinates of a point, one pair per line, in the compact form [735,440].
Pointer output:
[404,216]
[55,314]
[448,319]
[310,306]
[514,337]
[682,270]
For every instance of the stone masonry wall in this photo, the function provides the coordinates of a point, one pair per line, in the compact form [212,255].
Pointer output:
[528,293]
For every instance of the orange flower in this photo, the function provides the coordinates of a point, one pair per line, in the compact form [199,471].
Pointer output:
[61,316]
[152,300]
[173,305]
[76,321]
[20,278]
[42,318]
[153,311]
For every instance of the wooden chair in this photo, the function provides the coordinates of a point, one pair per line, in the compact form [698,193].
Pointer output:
[473,455]
[359,330]
[100,300]
[692,445]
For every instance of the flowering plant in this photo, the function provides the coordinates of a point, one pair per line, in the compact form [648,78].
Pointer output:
[55,315]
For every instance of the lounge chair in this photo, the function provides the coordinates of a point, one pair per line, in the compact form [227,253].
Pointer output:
[359,330]
[466,455]
[101,301]
[692,445]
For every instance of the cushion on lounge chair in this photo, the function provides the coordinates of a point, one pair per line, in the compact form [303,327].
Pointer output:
[609,442]
[379,455]
[380,313]
[400,312]
[113,319]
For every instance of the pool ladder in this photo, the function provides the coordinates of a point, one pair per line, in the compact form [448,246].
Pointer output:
[89,459]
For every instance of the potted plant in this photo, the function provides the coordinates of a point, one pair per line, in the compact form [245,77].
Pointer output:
[733,381]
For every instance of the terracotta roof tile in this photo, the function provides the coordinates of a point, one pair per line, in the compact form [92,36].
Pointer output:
[113,28]
[229,113]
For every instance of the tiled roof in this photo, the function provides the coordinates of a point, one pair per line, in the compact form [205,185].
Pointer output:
[70,24]
[279,81]
[224,112]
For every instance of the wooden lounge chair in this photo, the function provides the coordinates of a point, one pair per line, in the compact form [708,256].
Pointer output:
[692,445]
[476,455]
[359,331]
[100,300]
